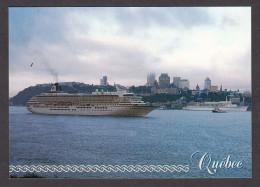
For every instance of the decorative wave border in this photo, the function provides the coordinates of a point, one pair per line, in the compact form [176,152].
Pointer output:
[99,168]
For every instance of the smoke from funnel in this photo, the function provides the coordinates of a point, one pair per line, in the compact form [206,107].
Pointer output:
[53,72]
[39,58]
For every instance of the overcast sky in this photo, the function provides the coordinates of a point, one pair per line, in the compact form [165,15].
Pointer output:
[125,44]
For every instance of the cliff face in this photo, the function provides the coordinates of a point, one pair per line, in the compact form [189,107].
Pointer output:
[23,96]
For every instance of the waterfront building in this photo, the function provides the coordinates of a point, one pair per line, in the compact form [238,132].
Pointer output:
[160,91]
[176,81]
[235,100]
[214,88]
[207,85]
[150,79]
[164,80]
[184,83]
[172,91]
[247,93]
[153,90]
[194,92]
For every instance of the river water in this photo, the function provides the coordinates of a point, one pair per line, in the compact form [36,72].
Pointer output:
[164,137]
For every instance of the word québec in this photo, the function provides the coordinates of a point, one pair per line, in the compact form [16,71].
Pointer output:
[211,166]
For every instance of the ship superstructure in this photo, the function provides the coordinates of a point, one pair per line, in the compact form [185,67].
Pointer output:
[99,103]
[222,105]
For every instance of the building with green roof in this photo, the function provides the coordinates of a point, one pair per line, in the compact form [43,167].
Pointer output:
[164,80]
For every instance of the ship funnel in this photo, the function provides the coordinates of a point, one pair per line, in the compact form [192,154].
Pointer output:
[57,87]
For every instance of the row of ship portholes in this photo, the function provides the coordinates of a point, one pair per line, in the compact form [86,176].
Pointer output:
[82,109]
[61,109]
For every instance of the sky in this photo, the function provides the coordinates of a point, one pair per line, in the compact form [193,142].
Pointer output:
[83,44]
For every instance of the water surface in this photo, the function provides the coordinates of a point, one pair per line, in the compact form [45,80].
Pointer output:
[164,137]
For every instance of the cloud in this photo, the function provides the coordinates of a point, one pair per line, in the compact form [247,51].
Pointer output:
[87,58]
[36,23]
[83,44]
[144,18]
[228,22]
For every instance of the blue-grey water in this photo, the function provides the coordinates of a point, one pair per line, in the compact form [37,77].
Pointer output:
[164,137]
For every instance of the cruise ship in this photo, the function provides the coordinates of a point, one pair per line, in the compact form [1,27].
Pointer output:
[222,105]
[99,103]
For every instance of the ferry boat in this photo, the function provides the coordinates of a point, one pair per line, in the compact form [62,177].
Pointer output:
[119,103]
[209,106]
[163,108]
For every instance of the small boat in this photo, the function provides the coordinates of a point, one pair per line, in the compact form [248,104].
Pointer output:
[217,110]
[163,108]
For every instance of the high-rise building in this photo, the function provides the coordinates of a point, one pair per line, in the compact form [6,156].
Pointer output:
[156,84]
[207,85]
[164,80]
[184,83]
[150,79]
[197,88]
[103,82]
[176,81]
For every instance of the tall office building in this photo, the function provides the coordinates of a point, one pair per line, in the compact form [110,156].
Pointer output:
[207,85]
[164,80]
[197,88]
[150,79]
[176,81]
[103,82]
[184,83]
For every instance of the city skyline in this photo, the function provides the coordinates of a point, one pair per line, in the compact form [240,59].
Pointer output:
[126,44]
[106,83]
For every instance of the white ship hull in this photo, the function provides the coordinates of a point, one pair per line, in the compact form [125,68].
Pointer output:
[120,103]
[134,111]
[209,108]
